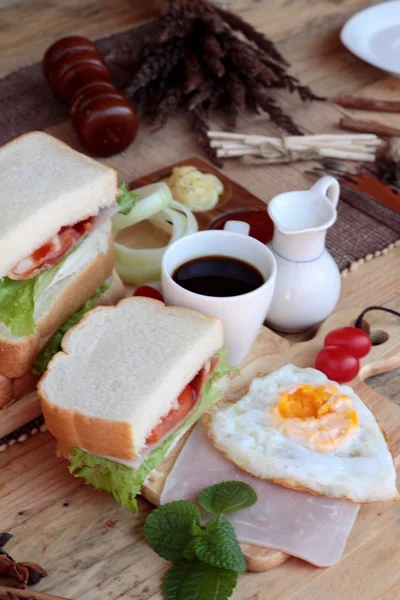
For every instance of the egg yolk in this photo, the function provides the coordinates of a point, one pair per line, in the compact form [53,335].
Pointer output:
[321,417]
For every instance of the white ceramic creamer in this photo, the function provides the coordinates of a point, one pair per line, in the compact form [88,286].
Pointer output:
[308,281]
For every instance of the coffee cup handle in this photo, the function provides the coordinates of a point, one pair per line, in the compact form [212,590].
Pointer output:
[237,227]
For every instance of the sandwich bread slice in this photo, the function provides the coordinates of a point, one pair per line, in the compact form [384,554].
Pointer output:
[130,380]
[109,293]
[45,186]
[55,241]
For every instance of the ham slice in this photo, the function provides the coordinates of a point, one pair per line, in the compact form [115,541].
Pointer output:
[313,528]
[54,250]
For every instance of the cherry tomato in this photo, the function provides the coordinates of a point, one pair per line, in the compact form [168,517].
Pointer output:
[337,363]
[148,292]
[355,340]
[174,417]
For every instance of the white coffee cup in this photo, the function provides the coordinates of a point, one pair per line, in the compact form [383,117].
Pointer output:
[241,316]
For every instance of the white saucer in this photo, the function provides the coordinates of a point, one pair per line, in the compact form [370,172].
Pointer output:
[374,36]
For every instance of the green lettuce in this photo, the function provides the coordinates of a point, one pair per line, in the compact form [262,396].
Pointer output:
[54,344]
[17,299]
[17,305]
[126,199]
[123,482]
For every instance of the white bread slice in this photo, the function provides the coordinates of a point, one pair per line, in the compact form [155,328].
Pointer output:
[14,389]
[121,371]
[17,354]
[45,185]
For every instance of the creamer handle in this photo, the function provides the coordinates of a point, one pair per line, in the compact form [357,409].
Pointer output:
[237,227]
[329,188]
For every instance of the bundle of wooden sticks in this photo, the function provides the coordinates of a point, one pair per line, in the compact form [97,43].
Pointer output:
[259,148]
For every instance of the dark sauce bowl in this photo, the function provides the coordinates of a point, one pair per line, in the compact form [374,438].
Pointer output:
[261,225]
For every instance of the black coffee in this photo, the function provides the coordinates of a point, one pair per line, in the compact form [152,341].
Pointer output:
[220,276]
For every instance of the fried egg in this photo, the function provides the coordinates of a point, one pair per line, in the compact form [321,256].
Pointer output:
[297,428]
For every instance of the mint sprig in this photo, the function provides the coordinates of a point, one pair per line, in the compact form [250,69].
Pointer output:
[207,559]
[198,581]
[227,497]
[219,546]
[126,199]
[169,529]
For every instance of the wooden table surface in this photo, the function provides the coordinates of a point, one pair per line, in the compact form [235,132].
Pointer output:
[307,33]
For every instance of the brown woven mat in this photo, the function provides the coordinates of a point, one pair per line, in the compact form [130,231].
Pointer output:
[364,227]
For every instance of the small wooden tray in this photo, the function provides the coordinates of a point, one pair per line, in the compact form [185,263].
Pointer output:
[234,197]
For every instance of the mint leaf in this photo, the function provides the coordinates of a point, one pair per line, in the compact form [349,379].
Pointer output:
[226,497]
[189,552]
[198,581]
[126,199]
[219,546]
[168,529]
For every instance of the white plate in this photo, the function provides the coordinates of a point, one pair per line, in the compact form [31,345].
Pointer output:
[374,36]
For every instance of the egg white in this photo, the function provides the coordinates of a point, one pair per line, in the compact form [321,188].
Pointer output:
[361,470]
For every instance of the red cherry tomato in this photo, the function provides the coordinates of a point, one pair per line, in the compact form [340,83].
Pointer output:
[337,363]
[355,340]
[148,292]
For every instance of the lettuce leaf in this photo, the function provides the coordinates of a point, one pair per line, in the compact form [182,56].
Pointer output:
[123,482]
[17,299]
[126,199]
[17,305]
[54,344]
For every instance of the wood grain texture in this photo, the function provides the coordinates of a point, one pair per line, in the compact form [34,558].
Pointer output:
[92,548]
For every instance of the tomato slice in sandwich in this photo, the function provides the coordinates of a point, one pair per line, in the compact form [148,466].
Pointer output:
[174,417]
[52,252]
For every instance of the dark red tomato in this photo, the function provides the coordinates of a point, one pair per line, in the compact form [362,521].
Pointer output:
[355,340]
[148,292]
[337,363]
[174,417]
[261,225]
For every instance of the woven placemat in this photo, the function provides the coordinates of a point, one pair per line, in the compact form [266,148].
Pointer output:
[365,227]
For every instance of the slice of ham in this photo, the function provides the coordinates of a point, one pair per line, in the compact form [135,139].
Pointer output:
[313,528]
[54,250]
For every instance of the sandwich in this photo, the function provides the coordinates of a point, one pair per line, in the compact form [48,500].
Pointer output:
[11,389]
[56,248]
[129,381]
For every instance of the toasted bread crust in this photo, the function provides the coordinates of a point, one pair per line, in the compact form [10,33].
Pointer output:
[108,438]
[17,357]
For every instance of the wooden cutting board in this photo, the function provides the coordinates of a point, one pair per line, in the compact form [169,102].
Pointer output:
[271,352]
[93,548]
